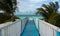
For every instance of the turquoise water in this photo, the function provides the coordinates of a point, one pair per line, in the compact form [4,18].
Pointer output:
[30,16]
[30,29]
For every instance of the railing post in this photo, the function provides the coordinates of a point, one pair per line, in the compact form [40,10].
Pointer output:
[21,26]
[0,32]
[38,25]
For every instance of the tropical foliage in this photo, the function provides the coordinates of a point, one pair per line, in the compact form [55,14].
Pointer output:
[50,12]
[8,6]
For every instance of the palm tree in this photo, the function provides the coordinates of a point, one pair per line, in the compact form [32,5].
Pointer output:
[7,6]
[11,3]
[48,10]
[54,6]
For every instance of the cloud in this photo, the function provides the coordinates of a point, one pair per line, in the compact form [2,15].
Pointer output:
[37,1]
[29,6]
[55,0]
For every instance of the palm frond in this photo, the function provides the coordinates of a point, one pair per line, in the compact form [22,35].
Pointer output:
[47,10]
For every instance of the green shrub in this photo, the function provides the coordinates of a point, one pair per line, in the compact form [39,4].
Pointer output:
[57,21]
[4,18]
[54,19]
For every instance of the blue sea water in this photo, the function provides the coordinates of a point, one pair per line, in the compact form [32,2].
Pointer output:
[30,16]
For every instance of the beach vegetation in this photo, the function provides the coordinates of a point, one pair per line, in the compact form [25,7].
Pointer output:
[50,13]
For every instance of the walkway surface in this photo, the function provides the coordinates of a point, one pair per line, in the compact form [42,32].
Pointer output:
[30,29]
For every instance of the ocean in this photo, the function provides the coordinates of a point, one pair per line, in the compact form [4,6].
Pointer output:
[30,16]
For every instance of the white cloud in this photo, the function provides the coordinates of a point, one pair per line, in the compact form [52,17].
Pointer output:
[25,7]
[55,0]
[30,5]
[37,1]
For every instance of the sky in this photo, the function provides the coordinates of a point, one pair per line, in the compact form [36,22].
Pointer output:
[28,7]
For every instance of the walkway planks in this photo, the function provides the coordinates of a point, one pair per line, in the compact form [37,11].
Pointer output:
[30,29]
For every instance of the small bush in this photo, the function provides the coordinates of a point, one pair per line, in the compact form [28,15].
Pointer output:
[4,18]
[57,21]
